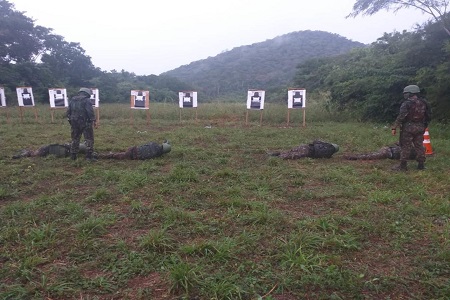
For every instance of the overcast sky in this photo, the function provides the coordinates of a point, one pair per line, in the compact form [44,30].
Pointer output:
[151,37]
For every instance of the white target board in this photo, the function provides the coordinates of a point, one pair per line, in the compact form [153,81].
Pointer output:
[25,96]
[58,98]
[296,98]
[255,99]
[187,99]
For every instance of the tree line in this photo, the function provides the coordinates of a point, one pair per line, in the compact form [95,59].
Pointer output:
[31,55]
[369,81]
[268,65]
[364,80]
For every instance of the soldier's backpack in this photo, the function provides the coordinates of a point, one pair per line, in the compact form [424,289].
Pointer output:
[322,149]
[59,150]
[417,111]
[149,150]
[77,108]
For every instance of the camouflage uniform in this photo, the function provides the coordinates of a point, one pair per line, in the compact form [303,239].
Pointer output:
[57,150]
[412,128]
[81,116]
[391,152]
[146,151]
[317,149]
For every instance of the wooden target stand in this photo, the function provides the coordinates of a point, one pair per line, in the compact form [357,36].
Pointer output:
[196,113]
[21,112]
[6,112]
[260,116]
[145,95]
[97,115]
[132,116]
[289,115]
[52,112]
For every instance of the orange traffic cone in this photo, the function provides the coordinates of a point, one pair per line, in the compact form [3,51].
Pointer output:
[427,143]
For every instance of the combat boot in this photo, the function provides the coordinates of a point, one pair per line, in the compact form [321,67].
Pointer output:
[90,157]
[73,156]
[401,167]
[22,153]
[421,165]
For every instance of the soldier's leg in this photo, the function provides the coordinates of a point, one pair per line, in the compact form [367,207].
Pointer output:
[43,151]
[23,153]
[405,144]
[132,153]
[129,154]
[116,155]
[420,150]
[384,152]
[76,132]
[89,138]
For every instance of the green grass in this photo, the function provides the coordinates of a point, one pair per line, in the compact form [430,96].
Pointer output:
[217,218]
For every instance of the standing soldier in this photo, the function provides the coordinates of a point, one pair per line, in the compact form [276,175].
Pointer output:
[413,119]
[81,117]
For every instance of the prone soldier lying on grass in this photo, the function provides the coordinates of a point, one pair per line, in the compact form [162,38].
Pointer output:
[316,149]
[58,150]
[145,151]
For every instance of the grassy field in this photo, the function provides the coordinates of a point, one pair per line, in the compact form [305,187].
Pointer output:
[217,218]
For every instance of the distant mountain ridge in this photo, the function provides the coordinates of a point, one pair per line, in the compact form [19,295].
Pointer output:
[261,65]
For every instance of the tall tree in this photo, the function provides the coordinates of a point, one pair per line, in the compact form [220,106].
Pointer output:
[367,82]
[20,39]
[435,8]
[67,61]
[59,54]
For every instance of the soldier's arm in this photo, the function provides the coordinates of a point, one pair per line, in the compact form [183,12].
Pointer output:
[68,112]
[402,115]
[90,111]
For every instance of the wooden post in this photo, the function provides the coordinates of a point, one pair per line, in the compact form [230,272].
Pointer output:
[131,111]
[304,117]
[196,115]
[21,113]
[288,117]
[148,117]
[180,114]
[7,114]
[246,117]
[55,109]
[260,116]
[98,116]
[35,113]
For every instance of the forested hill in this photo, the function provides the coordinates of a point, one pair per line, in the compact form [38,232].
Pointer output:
[261,65]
